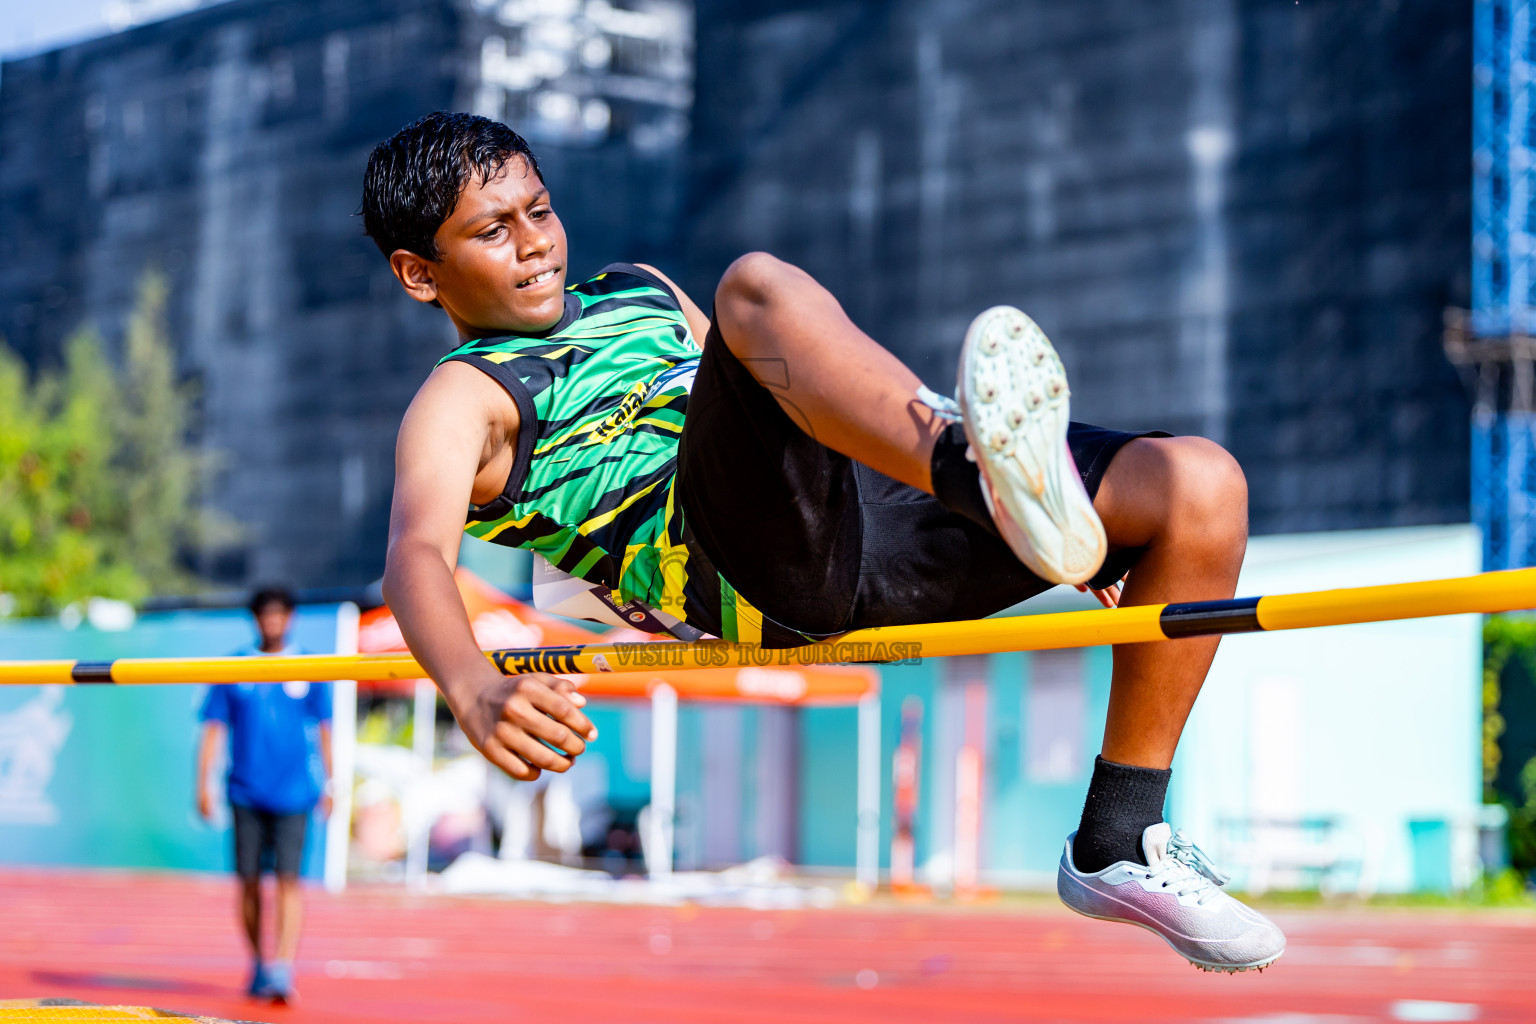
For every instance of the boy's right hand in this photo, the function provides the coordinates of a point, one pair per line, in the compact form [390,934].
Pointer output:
[505,718]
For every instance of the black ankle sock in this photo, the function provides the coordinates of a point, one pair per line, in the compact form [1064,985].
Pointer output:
[957,480]
[1122,801]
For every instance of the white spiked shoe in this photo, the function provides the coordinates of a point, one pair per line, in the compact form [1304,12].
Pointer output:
[1013,401]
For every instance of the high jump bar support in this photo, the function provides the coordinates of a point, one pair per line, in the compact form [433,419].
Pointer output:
[1511,590]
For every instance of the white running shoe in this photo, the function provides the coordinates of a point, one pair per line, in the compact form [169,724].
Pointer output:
[1178,895]
[1013,396]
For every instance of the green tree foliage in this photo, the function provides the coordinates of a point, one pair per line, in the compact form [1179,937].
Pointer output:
[1506,638]
[97,481]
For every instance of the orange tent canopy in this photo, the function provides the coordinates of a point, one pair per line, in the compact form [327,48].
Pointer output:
[803,684]
[501,622]
[809,684]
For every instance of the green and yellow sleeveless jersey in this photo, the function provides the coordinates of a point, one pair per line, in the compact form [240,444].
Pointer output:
[602,398]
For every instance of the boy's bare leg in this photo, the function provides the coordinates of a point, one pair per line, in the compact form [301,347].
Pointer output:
[1185,501]
[1182,499]
[836,382]
[290,916]
[250,913]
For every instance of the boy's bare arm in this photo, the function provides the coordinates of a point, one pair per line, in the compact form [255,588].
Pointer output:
[213,733]
[698,323]
[459,424]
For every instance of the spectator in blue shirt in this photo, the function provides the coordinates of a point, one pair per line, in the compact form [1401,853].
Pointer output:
[274,784]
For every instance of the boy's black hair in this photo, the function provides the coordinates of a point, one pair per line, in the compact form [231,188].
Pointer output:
[272,595]
[415,176]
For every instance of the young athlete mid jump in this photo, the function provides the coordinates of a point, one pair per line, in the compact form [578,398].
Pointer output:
[770,474]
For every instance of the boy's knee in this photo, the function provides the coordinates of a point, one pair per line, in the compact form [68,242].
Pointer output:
[1206,482]
[750,281]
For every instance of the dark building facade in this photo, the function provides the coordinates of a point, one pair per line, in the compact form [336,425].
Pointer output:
[226,147]
[1238,219]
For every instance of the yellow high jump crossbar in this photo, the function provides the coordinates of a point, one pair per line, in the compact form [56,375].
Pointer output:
[1512,590]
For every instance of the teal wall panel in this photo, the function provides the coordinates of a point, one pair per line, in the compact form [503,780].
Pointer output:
[1025,820]
[102,776]
[828,786]
[750,840]
[1005,820]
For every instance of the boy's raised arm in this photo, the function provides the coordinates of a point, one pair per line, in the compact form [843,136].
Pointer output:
[452,424]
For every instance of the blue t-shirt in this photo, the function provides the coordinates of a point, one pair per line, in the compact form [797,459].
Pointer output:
[274,762]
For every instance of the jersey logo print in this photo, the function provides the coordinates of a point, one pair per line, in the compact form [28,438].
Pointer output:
[643,395]
[614,423]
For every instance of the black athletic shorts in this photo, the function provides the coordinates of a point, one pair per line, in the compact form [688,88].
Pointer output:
[280,837]
[822,544]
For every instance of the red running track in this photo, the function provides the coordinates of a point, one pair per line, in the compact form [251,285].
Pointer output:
[377,955]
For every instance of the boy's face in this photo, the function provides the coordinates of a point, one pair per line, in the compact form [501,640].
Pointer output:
[272,621]
[502,266]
